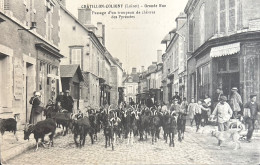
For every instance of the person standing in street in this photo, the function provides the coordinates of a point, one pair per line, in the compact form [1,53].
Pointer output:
[175,107]
[184,106]
[60,98]
[191,110]
[68,102]
[216,97]
[197,115]
[223,112]
[235,102]
[251,117]
[36,112]
[176,96]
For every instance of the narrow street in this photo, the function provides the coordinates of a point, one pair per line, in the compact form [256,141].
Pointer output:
[197,148]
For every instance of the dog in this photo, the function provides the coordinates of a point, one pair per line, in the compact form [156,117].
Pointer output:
[231,134]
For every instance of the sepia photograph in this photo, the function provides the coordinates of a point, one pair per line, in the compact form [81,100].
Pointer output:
[154,82]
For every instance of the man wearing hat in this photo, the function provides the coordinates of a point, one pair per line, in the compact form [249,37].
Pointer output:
[176,96]
[252,115]
[235,101]
[68,101]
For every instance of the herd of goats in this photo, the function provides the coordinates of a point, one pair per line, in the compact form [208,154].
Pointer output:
[116,123]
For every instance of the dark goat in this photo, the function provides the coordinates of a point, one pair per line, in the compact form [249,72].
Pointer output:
[39,130]
[170,128]
[8,125]
[181,122]
[64,119]
[81,127]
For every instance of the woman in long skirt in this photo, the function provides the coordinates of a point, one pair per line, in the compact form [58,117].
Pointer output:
[36,112]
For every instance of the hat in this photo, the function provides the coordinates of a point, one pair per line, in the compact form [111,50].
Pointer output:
[223,98]
[67,91]
[176,92]
[252,95]
[37,94]
[175,99]
[234,89]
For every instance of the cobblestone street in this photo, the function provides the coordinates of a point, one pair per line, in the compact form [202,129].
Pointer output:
[197,148]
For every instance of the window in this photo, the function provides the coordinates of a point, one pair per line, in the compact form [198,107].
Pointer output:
[228,64]
[191,33]
[203,80]
[4,4]
[202,23]
[76,56]
[49,20]
[227,16]
[130,89]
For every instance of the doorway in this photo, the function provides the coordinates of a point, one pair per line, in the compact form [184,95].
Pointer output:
[229,80]
[28,89]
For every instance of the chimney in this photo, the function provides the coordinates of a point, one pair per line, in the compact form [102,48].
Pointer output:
[159,56]
[180,20]
[99,32]
[84,15]
[103,34]
[63,2]
[133,70]
[142,69]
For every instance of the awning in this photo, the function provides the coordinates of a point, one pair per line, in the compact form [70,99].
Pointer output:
[225,50]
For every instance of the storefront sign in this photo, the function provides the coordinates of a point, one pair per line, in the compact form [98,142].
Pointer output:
[18,82]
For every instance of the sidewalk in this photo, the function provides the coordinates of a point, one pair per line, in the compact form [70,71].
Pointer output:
[11,148]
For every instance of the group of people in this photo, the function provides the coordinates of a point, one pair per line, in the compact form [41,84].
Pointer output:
[62,102]
[219,108]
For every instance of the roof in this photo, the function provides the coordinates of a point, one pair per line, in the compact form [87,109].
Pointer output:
[135,77]
[70,70]
[173,31]
[166,38]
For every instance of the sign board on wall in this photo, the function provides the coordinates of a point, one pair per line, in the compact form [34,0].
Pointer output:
[18,81]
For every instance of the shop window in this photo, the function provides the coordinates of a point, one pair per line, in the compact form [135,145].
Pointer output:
[233,64]
[222,65]
[203,80]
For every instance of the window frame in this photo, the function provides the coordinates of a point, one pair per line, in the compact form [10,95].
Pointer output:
[81,55]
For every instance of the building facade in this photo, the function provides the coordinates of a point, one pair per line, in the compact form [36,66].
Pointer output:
[29,56]
[131,86]
[223,43]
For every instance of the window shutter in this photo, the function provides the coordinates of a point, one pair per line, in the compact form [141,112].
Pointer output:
[191,29]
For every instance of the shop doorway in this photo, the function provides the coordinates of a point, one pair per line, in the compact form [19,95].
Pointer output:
[229,80]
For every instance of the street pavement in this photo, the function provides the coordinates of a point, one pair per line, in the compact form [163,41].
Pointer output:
[197,148]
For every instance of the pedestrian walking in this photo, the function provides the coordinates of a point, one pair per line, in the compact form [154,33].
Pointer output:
[184,106]
[223,112]
[197,115]
[36,112]
[175,107]
[191,110]
[206,109]
[251,110]
[68,101]
[235,102]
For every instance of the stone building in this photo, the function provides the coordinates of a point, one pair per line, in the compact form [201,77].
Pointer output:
[224,47]
[29,55]
[174,60]
[131,86]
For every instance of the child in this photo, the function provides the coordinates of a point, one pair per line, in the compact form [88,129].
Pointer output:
[197,114]
[191,110]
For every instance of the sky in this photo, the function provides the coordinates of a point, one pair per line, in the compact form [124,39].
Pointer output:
[134,41]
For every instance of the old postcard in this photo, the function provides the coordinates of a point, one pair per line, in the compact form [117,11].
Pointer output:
[129,82]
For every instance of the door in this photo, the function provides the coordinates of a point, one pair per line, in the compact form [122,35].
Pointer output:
[230,80]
